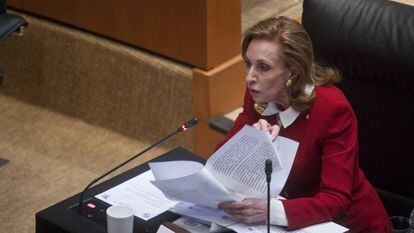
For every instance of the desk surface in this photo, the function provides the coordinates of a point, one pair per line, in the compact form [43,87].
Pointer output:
[60,217]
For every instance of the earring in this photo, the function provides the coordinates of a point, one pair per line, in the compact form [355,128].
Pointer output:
[289,83]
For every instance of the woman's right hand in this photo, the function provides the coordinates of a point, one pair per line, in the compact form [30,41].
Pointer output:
[262,124]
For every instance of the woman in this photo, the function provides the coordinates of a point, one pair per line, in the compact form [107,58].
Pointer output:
[289,95]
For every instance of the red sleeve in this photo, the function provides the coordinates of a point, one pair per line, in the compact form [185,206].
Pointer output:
[245,117]
[338,140]
[241,120]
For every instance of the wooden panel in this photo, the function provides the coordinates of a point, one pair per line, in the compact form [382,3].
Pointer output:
[219,90]
[223,30]
[216,92]
[203,33]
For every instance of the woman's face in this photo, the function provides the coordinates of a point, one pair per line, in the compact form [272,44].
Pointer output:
[266,73]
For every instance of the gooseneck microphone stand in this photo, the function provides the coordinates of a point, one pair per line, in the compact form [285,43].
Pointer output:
[184,127]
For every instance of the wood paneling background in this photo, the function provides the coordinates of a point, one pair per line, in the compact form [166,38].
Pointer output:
[218,91]
[202,33]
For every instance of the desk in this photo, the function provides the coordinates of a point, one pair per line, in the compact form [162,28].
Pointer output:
[61,218]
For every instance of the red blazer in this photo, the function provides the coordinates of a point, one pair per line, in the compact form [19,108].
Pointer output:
[325,182]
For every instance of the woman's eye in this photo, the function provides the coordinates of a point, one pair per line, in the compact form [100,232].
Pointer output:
[247,64]
[263,67]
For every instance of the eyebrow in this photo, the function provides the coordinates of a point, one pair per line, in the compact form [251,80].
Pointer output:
[269,61]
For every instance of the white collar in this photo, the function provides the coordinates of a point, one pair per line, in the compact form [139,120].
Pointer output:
[288,116]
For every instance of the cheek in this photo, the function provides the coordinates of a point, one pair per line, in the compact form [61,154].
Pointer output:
[273,86]
[270,91]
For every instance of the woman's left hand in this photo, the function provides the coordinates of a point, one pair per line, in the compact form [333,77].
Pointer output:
[262,124]
[249,210]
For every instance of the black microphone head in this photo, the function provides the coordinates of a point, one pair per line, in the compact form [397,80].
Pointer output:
[189,124]
[268,167]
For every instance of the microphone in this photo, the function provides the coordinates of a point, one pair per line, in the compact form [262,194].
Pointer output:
[184,127]
[189,124]
[268,171]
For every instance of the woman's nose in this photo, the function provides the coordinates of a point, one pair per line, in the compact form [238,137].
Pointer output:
[251,76]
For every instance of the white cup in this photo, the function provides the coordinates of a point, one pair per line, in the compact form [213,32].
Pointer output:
[120,219]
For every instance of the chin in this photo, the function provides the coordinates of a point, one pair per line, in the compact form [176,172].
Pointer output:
[262,100]
[260,97]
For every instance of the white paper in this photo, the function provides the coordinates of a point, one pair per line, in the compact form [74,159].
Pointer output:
[140,195]
[235,171]
[204,214]
[174,169]
[200,187]
[163,229]
[239,164]
[214,216]
[215,228]
[326,227]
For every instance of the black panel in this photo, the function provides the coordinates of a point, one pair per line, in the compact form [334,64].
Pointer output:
[62,218]
[3,161]
[372,43]
[2,6]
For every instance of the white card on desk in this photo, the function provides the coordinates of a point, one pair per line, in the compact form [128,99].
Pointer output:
[164,229]
[139,194]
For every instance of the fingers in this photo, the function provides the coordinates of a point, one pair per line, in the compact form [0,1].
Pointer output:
[239,204]
[227,205]
[262,124]
[249,210]
[233,207]
[250,219]
[274,132]
[246,215]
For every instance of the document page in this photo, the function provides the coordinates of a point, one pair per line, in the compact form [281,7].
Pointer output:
[139,194]
[235,171]
[191,182]
[204,214]
[239,164]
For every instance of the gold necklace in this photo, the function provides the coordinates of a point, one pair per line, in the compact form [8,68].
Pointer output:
[260,107]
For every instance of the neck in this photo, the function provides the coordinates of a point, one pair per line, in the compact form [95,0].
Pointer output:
[283,102]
